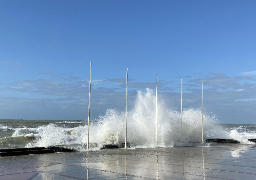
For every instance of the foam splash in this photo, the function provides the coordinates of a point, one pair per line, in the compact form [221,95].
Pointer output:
[110,128]
[242,137]
[5,128]
[142,125]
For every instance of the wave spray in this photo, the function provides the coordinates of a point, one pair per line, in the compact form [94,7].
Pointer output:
[141,128]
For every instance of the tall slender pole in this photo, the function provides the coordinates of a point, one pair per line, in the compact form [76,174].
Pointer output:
[87,161]
[89,105]
[181,106]
[203,162]
[126,167]
[202,112]
[156,110]
[126,111]
[157,167]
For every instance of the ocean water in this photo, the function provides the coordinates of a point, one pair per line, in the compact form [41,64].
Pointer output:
[110,129]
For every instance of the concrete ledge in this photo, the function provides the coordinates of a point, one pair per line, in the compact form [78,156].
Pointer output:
[252,140]
[54,149]
[226,141]
[222,141]
[115,146]
[35,150]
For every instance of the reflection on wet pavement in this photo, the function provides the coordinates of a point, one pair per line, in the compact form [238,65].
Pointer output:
[214,162]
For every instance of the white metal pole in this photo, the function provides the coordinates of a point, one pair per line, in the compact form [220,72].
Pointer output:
[87,162]
[126,110]
[202,113]
[157,167]
[89,104]
[181,106]
[156,110]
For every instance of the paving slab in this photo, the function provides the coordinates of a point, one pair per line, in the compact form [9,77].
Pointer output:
[227,162]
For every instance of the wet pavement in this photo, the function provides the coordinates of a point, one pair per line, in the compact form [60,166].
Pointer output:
[213,162]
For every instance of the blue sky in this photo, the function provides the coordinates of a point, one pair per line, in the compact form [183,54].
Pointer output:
[46,47]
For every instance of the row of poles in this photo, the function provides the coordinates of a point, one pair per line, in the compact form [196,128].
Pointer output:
[125,144]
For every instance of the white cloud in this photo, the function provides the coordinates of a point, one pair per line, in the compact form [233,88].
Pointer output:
[97,81]
[250,73]
[222,82]
[12,64]
[240,90]
[245,100]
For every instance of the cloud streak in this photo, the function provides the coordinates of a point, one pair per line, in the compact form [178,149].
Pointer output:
[250,73]
[224,82]
[67,98]
[11,64]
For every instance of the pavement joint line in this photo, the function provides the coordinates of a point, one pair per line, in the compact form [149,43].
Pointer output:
[47,172]
[243,158]
[32,177]
[193,162]
[114,172]
[194,167]
[211,169]
[223,164]
[174,165]
[151,169]
[106,171]
[24,172]
[201,175]
[187,172]
[216,163]
[206,168]
[126,174]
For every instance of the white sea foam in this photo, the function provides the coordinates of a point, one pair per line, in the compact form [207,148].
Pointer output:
[110,128]
[5,128]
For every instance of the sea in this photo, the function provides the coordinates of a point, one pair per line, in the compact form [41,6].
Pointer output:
[109,129]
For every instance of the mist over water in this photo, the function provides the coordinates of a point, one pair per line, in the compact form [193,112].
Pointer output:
[110,128]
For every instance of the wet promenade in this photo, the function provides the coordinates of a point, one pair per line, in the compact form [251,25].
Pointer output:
[228,162]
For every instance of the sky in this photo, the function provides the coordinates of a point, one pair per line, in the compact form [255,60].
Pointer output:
[46,48]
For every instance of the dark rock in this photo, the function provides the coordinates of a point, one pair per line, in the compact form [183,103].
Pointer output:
[35,150]
[115,146]
[252,140]
[222,141]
